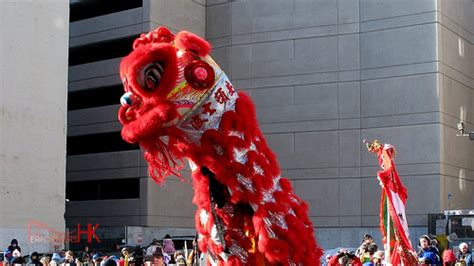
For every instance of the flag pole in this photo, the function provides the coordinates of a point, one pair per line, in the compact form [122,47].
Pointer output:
[387,246]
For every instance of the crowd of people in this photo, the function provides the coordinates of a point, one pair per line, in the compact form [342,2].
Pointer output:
[368,254]
[165,253]
[156,254]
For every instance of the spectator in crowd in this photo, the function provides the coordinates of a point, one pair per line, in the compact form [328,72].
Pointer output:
[344,257]
[378,257]
[179,258]
[427,254]
[34,259]
[85,255]
[109,262]
[137,256]
[16,257]
[158,258]
[465,255]
[69,258]
[168,258]
[57,258]
[45,260]
[124,257]
[153,247]
[181,262]
[168,245]
[97,258]
[366,241]
[449,259]
[367,257]
[14,245]
[10,249]
[435,243]
[79,262]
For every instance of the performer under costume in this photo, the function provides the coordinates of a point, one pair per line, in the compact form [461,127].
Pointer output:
[179,104]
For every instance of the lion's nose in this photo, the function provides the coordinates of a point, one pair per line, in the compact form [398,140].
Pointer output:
[128,99]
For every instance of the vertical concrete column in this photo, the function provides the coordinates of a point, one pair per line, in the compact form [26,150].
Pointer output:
[456,92]
[33,98]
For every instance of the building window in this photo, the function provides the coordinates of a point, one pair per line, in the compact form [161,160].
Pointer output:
[84,9]
[103,189]
[98,143]
[95,97]
[98,51]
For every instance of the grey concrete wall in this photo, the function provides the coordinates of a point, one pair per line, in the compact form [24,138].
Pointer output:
[456,80]
[33,78]
[107,27]
[169,205]
[138,235]
[125,164]
[104,212]
[326,74]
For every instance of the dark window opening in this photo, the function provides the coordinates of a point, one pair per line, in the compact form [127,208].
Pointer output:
[98,51]
[128,188]
[97,143]
[95,97]
[83,9]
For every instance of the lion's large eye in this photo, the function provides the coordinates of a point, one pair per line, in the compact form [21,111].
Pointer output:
[152,76]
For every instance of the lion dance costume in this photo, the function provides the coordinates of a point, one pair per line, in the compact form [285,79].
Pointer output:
[178,104]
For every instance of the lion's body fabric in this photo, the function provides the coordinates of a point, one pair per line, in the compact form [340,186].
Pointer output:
[247,214]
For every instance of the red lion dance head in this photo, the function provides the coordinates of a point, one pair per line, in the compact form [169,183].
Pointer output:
[178,104]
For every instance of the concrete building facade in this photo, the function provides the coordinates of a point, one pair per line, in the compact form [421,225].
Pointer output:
[33,95]
[324,75]
[327,74]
